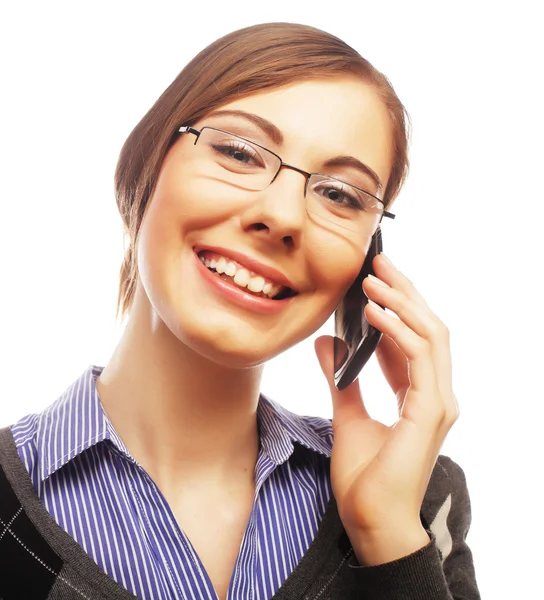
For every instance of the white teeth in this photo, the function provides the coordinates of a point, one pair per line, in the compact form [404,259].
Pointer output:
[220,266]
[230,269]
[255,284]
[241,277]
[275,289]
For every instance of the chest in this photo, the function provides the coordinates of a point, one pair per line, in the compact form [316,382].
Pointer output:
[215,529]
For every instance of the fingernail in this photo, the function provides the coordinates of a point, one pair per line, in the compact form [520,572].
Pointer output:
[377,281]
[375,306]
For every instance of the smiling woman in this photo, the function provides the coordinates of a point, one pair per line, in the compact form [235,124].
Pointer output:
[251,193]
[315,243]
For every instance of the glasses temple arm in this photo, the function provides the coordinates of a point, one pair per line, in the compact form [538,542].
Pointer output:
[185,129]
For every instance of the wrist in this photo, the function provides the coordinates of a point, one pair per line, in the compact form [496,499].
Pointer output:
[379,547]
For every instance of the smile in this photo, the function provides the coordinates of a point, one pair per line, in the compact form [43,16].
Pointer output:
[230,270]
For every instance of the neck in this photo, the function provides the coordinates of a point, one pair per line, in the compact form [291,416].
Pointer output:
[182,417]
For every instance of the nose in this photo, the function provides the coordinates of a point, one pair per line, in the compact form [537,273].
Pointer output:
[278,213]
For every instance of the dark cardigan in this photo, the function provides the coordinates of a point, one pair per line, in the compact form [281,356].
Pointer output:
[39,560]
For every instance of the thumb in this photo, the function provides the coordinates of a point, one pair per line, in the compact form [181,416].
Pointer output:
[347,403]
[324,349]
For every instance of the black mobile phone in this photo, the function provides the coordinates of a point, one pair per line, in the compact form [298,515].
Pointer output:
[355,339]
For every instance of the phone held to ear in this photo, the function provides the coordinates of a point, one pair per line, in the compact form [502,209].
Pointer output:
[355,339]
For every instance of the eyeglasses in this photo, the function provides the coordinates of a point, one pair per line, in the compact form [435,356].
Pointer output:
[245,164]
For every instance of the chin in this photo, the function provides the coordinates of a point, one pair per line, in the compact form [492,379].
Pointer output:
[234,339]
[229,342]
[232,353]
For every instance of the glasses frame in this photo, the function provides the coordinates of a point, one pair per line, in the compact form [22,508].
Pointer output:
[196,133]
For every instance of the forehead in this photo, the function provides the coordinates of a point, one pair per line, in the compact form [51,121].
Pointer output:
[320,119]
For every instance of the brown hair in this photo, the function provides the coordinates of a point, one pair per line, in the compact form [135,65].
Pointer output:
[241,63]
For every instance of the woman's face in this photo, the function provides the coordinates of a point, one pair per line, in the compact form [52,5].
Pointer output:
[195,214]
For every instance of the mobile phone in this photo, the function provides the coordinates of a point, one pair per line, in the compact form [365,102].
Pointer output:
[355,339]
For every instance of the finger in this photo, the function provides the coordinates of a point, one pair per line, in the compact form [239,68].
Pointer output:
[388,353]
[394,366]
[347,403]
[417,316]
[415,312]
[426,324]
[417,349]
[385,270]
[428,403]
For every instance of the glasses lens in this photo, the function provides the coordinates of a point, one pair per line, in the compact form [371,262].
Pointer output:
[343,205]
[235,160]
[240,162]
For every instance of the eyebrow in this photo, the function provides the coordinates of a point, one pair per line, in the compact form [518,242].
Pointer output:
[269,128]
[277,137]
[351,161]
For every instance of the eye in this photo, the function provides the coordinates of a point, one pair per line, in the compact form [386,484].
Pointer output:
[237,152]
[340,194]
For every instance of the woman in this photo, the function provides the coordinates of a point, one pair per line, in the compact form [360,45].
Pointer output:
[250,193]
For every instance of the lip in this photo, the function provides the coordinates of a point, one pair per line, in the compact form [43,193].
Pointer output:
[251,265]
[237,294]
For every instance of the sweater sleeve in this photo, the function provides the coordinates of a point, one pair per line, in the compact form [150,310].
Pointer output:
[442,570]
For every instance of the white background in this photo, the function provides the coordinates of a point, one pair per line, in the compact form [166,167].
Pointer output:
[76,78]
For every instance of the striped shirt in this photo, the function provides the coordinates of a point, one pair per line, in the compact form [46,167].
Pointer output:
[98,493]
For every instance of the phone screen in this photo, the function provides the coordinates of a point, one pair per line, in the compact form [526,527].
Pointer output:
[355,339]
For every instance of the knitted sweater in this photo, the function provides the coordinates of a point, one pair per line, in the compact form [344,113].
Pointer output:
[39,560]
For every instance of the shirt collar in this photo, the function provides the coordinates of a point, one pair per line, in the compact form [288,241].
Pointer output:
[280,429]
[76,421]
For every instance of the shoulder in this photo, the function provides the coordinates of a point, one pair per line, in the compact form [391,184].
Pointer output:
[25,429]
[24,433]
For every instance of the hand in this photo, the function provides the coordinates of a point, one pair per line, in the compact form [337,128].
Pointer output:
[380,474]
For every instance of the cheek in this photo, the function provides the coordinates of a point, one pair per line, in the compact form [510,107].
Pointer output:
[180,208]
[190,202]
[335,265]
[178,201]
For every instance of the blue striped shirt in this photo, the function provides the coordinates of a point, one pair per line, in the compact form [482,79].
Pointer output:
[97,492]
